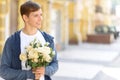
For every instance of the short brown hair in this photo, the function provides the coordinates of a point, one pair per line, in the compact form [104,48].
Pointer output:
[29,7]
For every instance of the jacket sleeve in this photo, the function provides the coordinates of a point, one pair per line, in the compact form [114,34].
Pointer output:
[53,66]
[6,71]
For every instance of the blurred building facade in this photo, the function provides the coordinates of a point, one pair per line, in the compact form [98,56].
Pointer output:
[69,21]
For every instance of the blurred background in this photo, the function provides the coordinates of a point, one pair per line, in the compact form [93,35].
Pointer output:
[86,35]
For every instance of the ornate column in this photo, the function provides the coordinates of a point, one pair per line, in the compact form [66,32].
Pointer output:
[20,21]
[4,22]
[77,17]
[66,25]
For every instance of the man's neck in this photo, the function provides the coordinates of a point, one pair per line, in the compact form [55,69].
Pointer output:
[29,31]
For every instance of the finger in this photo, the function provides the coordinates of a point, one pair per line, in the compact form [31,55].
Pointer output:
[33,70]
[37,76]
[40,71]
[42,68]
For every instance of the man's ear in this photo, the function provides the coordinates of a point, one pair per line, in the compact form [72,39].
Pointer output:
[25,18]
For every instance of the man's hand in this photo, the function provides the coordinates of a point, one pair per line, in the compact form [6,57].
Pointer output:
[40,71]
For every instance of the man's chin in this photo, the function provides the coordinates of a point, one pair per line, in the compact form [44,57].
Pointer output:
[38,27]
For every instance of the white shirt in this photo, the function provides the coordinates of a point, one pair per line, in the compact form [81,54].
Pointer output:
[25,40]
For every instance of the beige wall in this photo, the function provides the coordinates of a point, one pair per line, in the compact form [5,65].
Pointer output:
[4,10]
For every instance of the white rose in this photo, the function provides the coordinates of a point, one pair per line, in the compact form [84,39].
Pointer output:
[47,43]
[35,60]
[44,50]
[29,48]
[47,50]
[23,57]
[36,55]
[32,54]
[53,52]
[47,57]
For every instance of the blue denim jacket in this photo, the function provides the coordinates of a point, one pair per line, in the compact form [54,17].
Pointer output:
[10,68]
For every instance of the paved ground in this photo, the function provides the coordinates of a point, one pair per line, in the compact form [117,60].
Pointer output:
[89,62]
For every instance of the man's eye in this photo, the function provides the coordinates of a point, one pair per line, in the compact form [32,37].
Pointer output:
[35,15]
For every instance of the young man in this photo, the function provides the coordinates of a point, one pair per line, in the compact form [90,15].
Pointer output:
[11,67]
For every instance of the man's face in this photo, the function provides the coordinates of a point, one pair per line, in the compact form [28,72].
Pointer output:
[34,19]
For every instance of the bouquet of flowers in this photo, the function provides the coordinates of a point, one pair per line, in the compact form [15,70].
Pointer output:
[37,55]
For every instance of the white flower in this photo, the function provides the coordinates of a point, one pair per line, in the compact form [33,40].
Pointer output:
[23,57]
[29,48]
[47,43]
[44,50]
[53,52]
[33,54]
[37,55]
[35,60]
[47,57]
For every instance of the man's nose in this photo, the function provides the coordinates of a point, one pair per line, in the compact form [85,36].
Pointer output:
[40,18]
